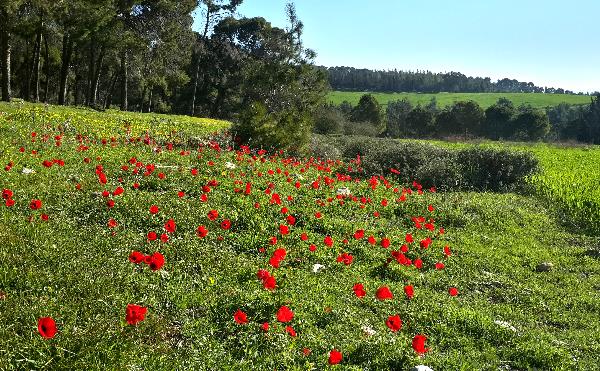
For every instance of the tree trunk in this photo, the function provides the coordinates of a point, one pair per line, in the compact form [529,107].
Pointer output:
[193,111]
[150,101]
[91,71]
[46,68]
[111,89]
[64,69]
[96,78]
[5,54]
[124,81]
[36,62]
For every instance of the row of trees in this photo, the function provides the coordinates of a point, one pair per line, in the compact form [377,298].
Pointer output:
[143,55]
[502,120]
[354,79]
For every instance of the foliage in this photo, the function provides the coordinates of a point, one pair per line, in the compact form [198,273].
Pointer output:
[537,100]
[471,168]
[74,268]
[355,79]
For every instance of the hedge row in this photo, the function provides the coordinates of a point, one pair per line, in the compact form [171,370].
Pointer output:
[472,168]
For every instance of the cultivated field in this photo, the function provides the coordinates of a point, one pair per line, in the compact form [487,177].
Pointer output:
[245,260]
[483,99]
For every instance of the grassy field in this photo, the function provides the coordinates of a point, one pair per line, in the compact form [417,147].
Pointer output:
[69,259]
[569,179]
[483,99]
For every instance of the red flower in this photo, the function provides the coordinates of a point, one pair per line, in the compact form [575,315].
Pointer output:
[263,274]
[285,314]
[304,237]
[47,327]
[151,236]
[359,234]
[418,263]
[439,265]
[213,214]
[385,243]
[394,323]
[345,258]
[312,247]
[157,260]
[7,194]
[265,326]
[284,229]
[136,257]
[201,231]
[164,237]
[409,291]
[447,251]
[44,217]
[328,241]
[153,209]
[135,314]
[226,224]
[453,291]
[418,344]
[290,330]
[10,202]
[270,283]
[170,226]
[291,220]
[240,317]
[372,240]
[35,204]
[118,191]
[359,290]
[408,238]
[383,293]
[335,357]
[112,223]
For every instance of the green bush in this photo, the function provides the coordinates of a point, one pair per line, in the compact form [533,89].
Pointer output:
[288,129]
[474,168]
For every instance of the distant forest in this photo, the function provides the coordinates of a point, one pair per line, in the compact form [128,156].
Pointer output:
[361,79]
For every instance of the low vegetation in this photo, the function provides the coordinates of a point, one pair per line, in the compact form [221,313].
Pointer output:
[158,254]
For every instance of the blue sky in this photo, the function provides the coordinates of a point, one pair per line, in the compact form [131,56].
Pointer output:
[547,42]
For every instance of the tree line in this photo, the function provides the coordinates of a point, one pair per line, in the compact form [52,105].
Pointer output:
[142,55]
[465,119]
[361,79]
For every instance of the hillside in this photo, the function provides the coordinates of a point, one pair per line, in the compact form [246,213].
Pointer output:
[144,249]
[485,100]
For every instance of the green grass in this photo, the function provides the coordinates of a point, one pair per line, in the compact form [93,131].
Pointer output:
[485,100]
[110,123]
[569,179]
[76,269]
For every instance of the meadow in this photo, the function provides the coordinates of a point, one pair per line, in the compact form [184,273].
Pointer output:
[485,100]
[149,250]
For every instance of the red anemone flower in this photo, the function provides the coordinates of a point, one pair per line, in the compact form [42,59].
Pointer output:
[394,323]
[384,293]
[285,314]
[240,317]
[135,314]
[418,344]
[335,357]
[359,290]
[47,327]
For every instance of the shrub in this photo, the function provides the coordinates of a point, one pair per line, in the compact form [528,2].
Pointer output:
[474,168]
[288,129]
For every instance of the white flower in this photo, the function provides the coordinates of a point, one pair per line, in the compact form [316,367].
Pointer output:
[368,331]
[27,171]
[317,268]
[506,325]
[230,165]
[421,368]
[344,191]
